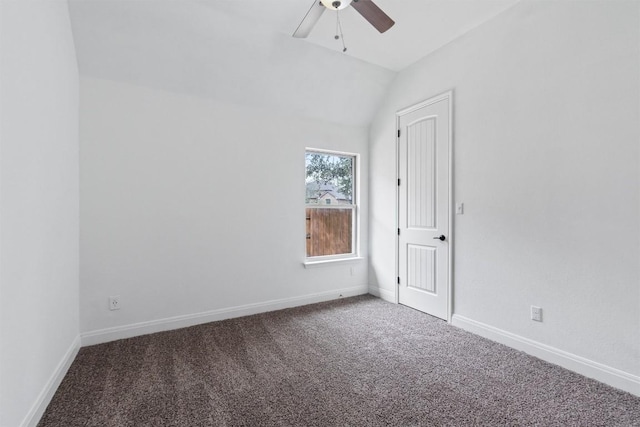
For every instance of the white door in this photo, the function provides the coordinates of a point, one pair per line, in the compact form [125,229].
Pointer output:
[424,142]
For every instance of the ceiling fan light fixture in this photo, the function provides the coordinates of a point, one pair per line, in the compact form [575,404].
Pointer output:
[366,8]
[335,4]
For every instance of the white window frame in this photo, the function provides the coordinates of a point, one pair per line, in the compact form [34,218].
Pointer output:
[355,211]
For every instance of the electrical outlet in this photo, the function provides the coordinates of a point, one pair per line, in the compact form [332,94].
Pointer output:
[114,302]
[536,313]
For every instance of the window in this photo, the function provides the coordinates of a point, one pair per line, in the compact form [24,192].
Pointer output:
[330,204]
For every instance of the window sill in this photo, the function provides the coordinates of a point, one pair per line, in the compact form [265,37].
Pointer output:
[330,262]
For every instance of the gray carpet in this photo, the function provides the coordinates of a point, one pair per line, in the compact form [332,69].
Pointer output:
[352,362]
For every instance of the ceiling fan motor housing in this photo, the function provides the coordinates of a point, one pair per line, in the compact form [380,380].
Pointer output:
[335,4]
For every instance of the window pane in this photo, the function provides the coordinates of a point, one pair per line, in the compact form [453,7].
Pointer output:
[329,231]
[329,179]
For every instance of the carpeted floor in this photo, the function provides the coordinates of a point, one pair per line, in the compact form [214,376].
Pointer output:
[351,362]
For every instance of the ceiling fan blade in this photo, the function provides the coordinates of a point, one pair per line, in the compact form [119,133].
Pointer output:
[373,14]
[309,20]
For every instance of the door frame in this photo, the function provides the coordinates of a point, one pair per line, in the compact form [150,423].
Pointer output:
[446,95]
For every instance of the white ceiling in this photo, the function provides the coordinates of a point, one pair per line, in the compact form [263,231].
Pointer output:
[242,52]
[422,26]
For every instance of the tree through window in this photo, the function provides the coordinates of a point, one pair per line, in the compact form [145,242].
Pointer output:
[330,206]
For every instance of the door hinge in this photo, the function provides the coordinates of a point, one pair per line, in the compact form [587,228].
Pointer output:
[398,231]
[398,182]
[398,133]
[398,280]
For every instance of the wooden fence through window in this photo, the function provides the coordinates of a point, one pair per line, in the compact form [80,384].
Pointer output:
[329,231]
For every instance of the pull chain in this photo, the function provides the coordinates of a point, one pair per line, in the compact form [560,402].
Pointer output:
[339,34]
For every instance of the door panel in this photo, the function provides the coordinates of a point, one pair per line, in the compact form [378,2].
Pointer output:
[421,264]
[421,180]
[423,206]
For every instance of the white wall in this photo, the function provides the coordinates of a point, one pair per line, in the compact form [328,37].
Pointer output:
[39,206]
[190,206]
[546,131]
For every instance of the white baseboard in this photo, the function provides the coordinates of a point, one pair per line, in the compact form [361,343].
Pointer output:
[385,294]
[603,373]
[44,398]
[167,324]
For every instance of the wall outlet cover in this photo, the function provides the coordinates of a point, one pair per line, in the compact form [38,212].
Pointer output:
[536,313]
[114,303]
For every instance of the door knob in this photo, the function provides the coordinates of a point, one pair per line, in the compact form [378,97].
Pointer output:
[440,237]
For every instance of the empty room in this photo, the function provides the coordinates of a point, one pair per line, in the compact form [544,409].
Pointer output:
[319,213]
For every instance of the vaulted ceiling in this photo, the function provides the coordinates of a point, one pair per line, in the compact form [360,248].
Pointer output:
[242,52]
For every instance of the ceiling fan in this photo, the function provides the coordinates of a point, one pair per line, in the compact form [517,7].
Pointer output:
[366,8]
